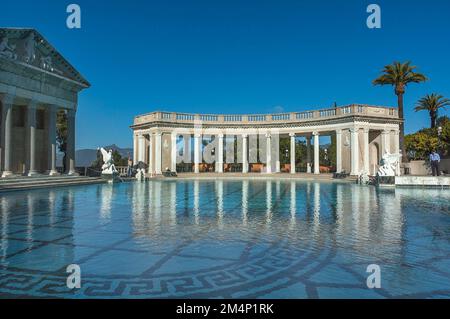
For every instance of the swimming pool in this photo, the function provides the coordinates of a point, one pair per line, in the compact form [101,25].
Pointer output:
[225,239]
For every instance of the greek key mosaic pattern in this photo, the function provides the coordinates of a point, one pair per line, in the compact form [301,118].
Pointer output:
[225,239]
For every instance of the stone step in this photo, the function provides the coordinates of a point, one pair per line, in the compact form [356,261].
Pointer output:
[38,178]
[41,179]
[50,182]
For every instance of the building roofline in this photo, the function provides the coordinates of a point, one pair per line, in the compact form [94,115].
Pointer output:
[82,80]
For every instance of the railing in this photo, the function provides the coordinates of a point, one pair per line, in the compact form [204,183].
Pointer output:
[256,118]
[123,170]
[94,172]
[342,111]
[232,118]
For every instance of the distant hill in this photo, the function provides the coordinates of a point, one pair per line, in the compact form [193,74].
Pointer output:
[85,157]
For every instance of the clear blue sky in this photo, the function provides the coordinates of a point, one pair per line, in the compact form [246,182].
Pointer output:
[236,56]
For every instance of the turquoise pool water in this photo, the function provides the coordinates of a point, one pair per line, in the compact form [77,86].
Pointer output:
[232,239]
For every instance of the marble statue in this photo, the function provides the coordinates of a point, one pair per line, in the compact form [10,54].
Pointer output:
[108,167]
[7,50]
[47,64]
[30,48]
[389,164]
[364,178]
[140,174]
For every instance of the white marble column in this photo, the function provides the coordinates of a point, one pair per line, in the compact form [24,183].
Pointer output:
[219,158]
[397,149]
[197,153]
[268,153]
[316,153]
[71,142]
[151,162]
[7,102]
[354,151]
[308,154]
[187,155]
[292,135]
[158,154]
[135,149]
[141,148]
[244,154]
[386,141]
[339,151]
[51,134]
[366,151]
[174,152]
[31,125]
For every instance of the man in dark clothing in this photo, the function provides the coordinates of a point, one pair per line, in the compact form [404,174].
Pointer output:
[435,160]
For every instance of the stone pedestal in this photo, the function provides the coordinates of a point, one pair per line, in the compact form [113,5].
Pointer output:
[111,178]
[386,180]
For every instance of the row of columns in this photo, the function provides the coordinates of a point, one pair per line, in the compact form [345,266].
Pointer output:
[31,109]
[354,151]
[155,166]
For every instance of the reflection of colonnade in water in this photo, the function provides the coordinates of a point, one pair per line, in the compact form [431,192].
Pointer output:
[106,201]
[367,214]
[351,214]
[33,219]
[5,209]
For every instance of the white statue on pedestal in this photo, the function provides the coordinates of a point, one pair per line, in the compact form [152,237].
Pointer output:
[108,167]
[389,164]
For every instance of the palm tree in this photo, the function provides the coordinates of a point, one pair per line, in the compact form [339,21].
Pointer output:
[399,75]
[432,103]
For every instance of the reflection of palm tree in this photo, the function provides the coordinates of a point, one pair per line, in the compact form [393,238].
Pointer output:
[400,75]
[432,103]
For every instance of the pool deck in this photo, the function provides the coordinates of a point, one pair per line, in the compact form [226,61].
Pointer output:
[25,182]
[422,181]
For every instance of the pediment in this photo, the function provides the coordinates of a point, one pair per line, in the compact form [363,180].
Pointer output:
[29,47]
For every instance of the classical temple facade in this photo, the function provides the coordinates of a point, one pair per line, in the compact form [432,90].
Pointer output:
[36,82]
[174,141]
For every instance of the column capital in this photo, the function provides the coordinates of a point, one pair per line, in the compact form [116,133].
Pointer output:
[396,132]
[197,135]
[244,135]
[354,129]
[32,104]
[315,133]
[268,135]
[7,99]
[220,135]
[52,107]
[386,131]
[292,134]
[71,113]
[339,131]
[366,130]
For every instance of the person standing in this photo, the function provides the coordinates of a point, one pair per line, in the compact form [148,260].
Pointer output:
[435,159]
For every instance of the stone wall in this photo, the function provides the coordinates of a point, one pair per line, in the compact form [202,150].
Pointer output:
[422,168]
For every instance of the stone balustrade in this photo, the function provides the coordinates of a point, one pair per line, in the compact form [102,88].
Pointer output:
[292,117]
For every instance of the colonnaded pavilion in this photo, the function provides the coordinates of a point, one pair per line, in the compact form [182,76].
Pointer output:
[362,134]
